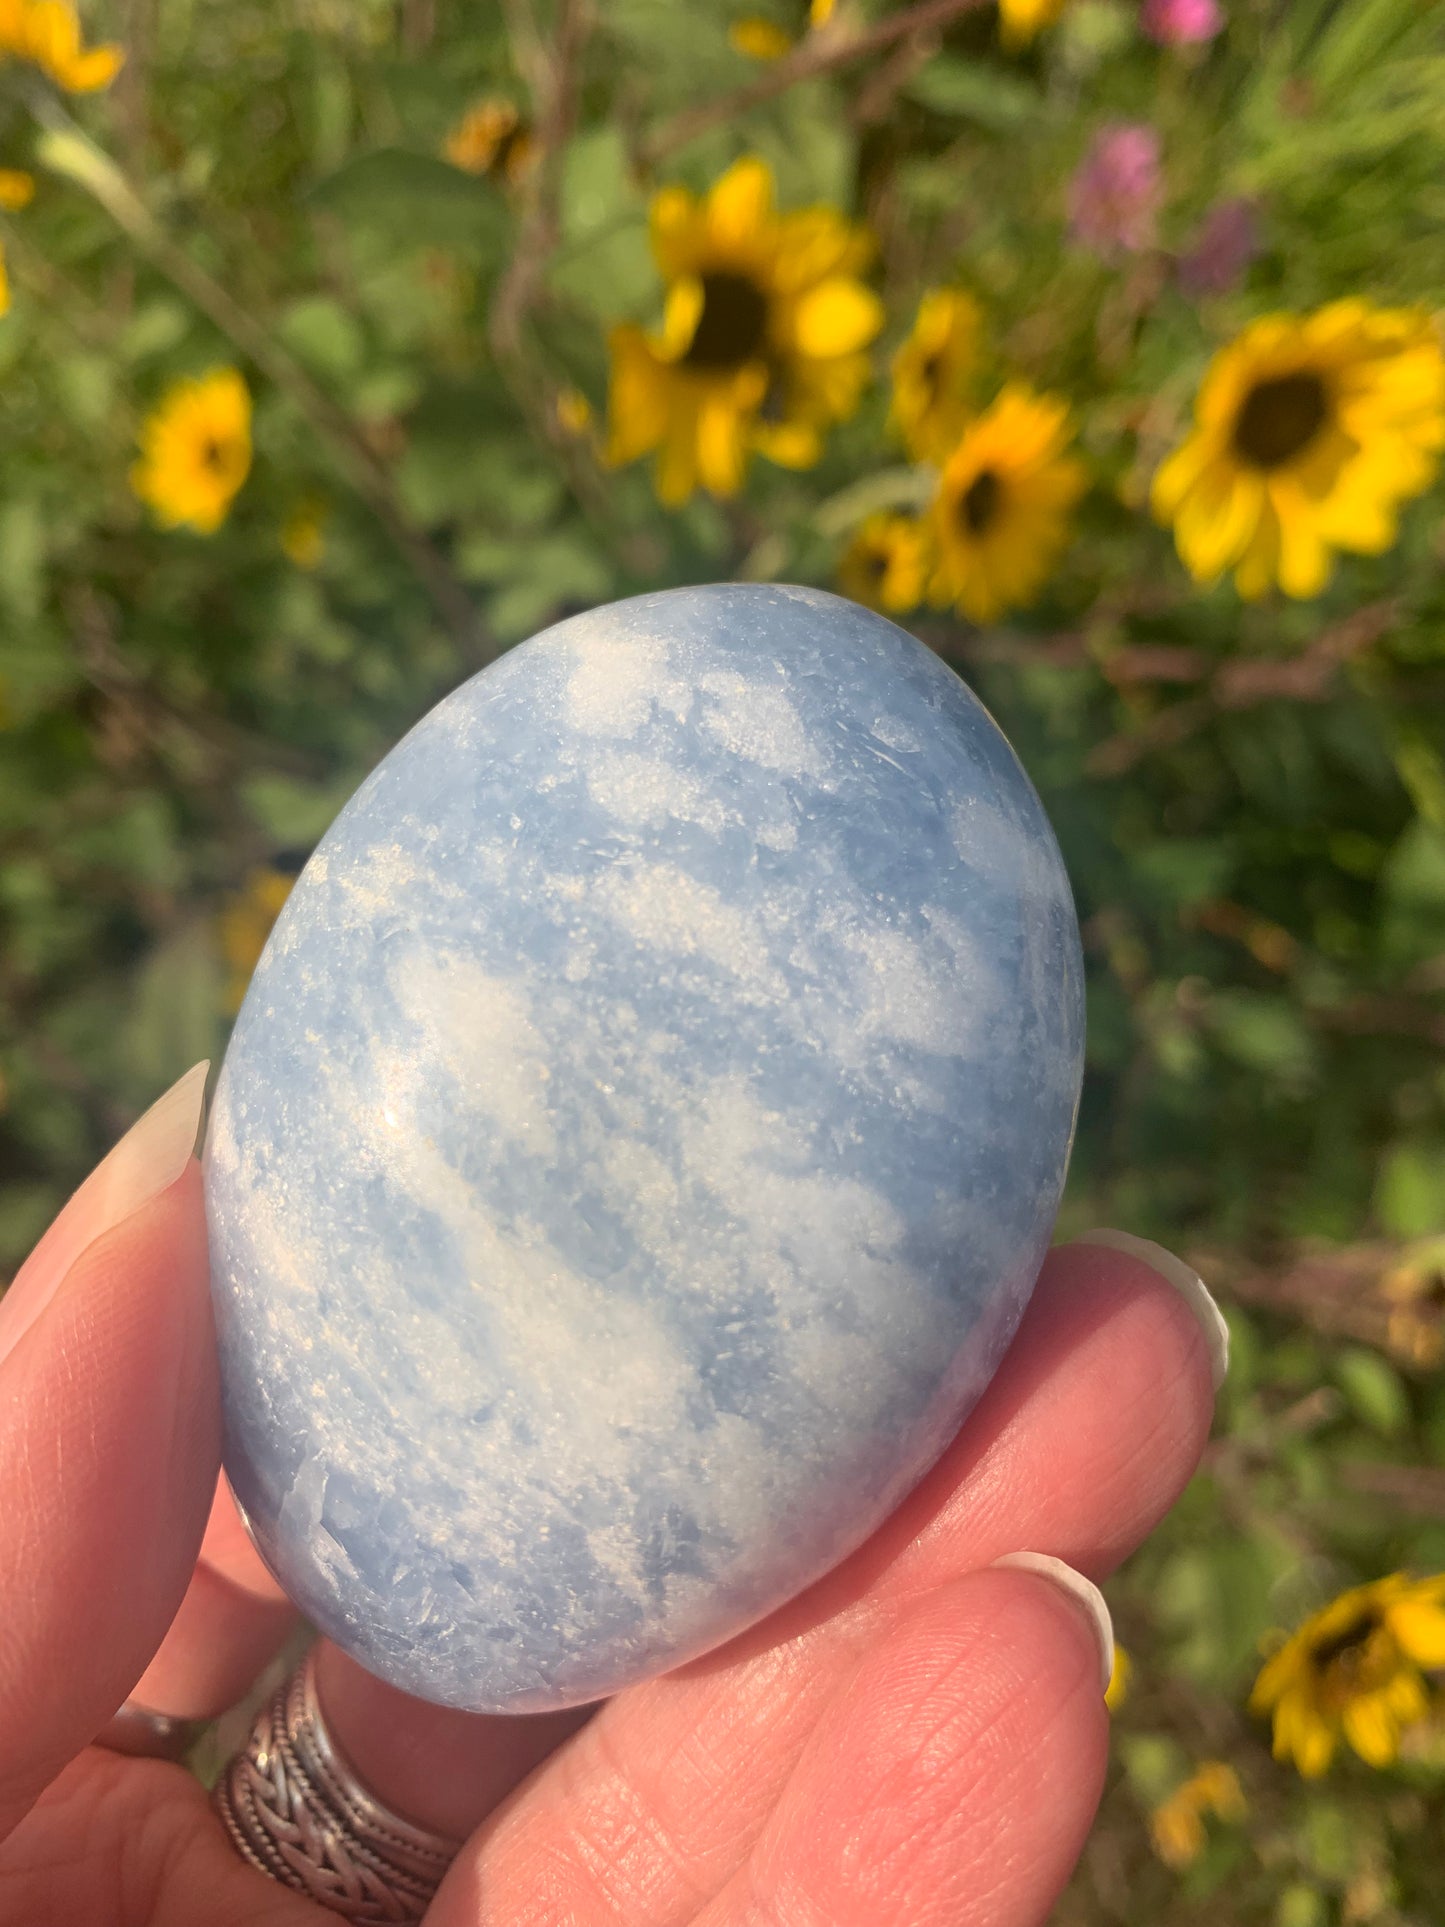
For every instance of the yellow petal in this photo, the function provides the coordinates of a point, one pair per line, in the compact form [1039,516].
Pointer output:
[1314,1747]
[1304,556]
[637,397]
[677,461]
[838,317]
[720,451]
[17,188]
[680,316]
[1260,561]
[1418,1624]
[1370,1731]
[677,231]
[790,444]
[1213,528]
[759,39]
[88,73]
[1176,476]
[740,204]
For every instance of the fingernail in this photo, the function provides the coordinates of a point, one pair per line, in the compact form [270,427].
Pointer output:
[1190,1286]
[148,1159]
[1083,1591]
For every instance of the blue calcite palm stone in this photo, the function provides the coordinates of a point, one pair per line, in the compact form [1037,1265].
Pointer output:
[638,1143]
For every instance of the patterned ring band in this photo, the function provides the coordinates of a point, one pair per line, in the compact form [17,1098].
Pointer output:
[295,1809]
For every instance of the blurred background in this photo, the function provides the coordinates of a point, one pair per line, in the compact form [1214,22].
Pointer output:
[349,342]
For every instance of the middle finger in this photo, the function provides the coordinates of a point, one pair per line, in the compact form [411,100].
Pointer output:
[1091,1427]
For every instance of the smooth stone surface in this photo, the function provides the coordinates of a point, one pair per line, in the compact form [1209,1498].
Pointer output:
[639,1141]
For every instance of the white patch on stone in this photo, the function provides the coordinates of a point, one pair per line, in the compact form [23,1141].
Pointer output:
[1001,849]
[646,793]
[757,722]
[615,679]
[900,995]
[581,955]
[479,1028]
[894,733]
[780,835]
[667,910]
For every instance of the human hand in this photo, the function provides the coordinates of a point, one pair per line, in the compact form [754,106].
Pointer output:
[920,1738]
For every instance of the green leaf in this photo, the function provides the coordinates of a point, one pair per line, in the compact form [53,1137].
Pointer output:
[294,815]
[155,329]
[22,557]
[321,333]
[414,201]
[1154,1764]
[969,90]
[1374,1389]
[1409,1197]
[174,1014]
[1301,1906]
[1264,1033]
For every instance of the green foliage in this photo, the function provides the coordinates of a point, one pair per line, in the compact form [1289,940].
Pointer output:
[1250,798]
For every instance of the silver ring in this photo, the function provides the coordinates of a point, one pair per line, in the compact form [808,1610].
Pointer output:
[144,1735]
[295,1809]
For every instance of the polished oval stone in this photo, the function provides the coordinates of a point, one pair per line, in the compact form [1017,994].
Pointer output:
[638,1143]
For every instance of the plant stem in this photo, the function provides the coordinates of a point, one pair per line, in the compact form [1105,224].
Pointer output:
[69,152]
[819,52]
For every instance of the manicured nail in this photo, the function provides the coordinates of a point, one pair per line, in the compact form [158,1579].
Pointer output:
[1083,1591]
[1190,1286]
[148,1160]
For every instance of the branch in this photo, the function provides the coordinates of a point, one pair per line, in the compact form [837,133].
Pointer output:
[1338,1291]
[555,87]
[1419,1489]
[1242,682]
[67,151]
[821,52]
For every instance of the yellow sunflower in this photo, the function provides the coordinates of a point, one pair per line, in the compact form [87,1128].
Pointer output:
[1309,434]
[1020,20]
[17,188]
[246,923]
[1176,1826]
[762,341]
[195,451]
[491,138]
[932,372]
[1001,514]
[46,33]
[1354,1669]
[885,564]
[760,38]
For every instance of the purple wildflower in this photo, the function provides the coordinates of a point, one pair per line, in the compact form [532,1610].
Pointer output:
[1174,22]
[1115,194]
[1221,251]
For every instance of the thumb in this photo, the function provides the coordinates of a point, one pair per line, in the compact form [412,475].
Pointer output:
[109,1443]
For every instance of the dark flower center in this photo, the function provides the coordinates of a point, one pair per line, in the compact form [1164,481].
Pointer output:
[875,564]
[213,455]
[981,500]
[511,148]
[1280,418]
[733,323]
[1345,1644]
[931,374]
